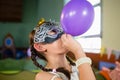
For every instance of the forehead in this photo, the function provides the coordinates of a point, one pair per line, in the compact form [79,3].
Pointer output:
[49,26]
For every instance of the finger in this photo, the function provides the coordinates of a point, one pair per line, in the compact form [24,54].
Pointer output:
[66,37]
[63,37]
[117,69]
[117,64]
[69,36]
[106,69]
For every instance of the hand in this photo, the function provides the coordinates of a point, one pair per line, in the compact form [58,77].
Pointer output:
[72,45]
[115,73]
[117,65]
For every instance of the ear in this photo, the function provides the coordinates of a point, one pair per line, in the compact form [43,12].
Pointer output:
[39,47]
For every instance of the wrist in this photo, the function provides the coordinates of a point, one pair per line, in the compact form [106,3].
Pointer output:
[79,54]
[83,60]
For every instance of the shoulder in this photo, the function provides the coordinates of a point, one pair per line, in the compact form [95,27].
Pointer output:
[45,76]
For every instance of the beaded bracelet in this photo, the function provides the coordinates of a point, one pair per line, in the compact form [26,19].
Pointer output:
[82,61]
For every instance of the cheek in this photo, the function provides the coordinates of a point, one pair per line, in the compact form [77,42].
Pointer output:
[58,45]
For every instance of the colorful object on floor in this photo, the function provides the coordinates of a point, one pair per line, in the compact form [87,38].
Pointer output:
[105,74]
[106,64]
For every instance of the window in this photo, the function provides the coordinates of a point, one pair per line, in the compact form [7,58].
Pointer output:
[91,40]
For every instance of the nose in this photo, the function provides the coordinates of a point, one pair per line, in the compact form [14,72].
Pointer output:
[59,35]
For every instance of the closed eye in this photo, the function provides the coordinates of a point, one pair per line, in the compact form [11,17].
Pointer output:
[52,32]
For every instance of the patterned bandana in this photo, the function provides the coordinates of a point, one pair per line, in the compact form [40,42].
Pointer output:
[42,32]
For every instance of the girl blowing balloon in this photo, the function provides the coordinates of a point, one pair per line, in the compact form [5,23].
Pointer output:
[50,43]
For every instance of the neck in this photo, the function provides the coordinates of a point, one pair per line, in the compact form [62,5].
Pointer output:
[57,61]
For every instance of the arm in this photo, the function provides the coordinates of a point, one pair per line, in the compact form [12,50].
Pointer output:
[85,70]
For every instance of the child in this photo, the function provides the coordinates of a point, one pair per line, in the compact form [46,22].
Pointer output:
[113,74]
[51,44]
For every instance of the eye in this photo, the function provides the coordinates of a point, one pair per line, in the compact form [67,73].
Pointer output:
[52,32]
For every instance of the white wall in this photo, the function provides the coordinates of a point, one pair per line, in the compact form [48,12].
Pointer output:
[111,23]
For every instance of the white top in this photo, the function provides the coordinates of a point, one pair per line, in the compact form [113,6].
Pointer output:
[74,74]
[55,76]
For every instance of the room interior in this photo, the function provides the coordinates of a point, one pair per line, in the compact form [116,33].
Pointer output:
[31,12]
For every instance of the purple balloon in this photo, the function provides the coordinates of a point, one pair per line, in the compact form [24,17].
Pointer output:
[77,17]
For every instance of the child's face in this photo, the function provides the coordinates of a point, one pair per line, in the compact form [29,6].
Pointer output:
[56,47]
[50,33]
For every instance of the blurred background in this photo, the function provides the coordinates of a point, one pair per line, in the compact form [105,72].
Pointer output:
[19,17]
